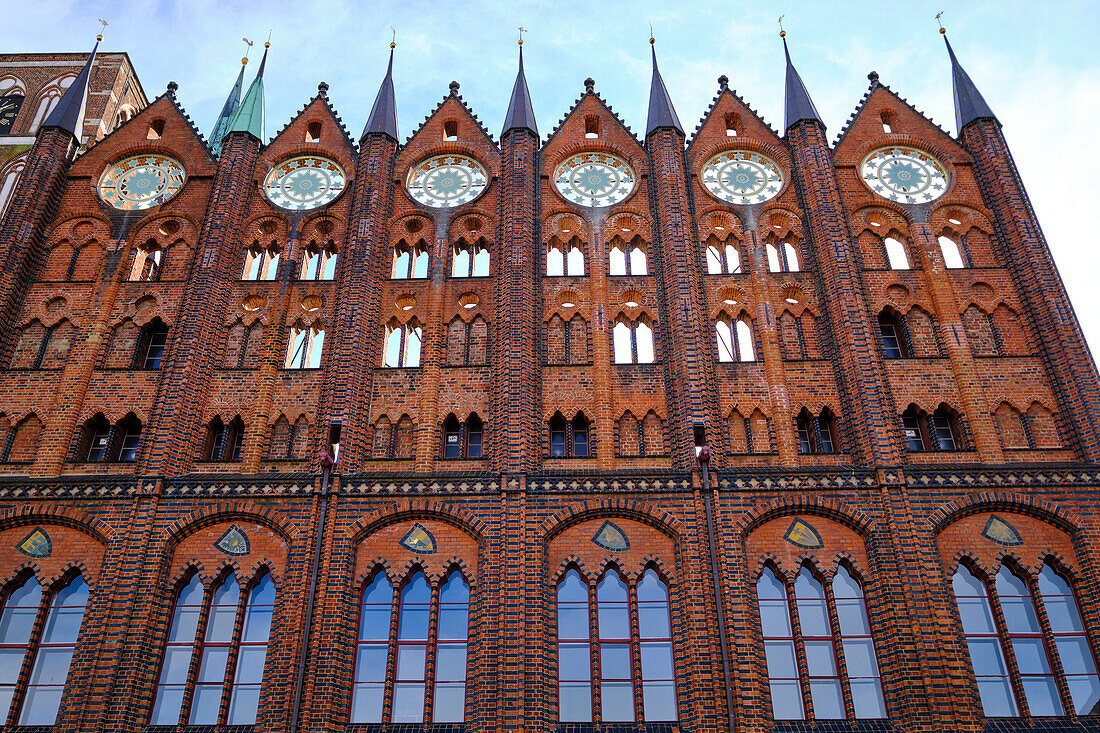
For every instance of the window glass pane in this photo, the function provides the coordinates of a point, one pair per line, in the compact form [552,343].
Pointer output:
[408,702]
[659,701]
[657,660]
[985,654]
[574,702]
[1075,654]
[572,621]
[651,588]
[450,663]
[827,700]
[614,621]
[1052,584]
[820,658]
[572,588]
[786,700]
[859,656]
[574,662]
[257,624]
[867,698]
[455,590]
[176,661]
[775,619]
[220,626]
[976,616]
[1085,693]
[853,616]
[623,353]
[812,615]
[250,664]
[615,661]
[10,662]
[744,342]
[370,663]
[375,623]
[204,706]
[410,661]
[185,622]
[653,620]
[40,706]
[413,624]
[637,261]
[243,704]
[781,660]
[453,621]
[576,262]
[1042,695]
[769,586]
[714,261]
[1063,615]
[166,707]
[366,703]
[996,696]
[449,702]
[20,608]
[6,694]
[617,699]
[51,666]
[616,262]
[644,337]
[1019,614]
[1031,655]
[212,668]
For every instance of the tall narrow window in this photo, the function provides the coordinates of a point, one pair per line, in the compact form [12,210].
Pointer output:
[803,425]
[575,262]
[574,651]
[1026,639]
[151,345]
[817,637]
[745,349]
[655,632]
[177,655]
[214,658]
[1076,656]
[616,262]
[986,655]
[318,264]
[463,439]
[409,262]
[613,614]
[580,436]
[412,646]
[633,341]
[128,442]
[555,262]
[402,344]
[952,255]
[779,649]
[774,263]
[714,260]
[260,264]
[16,627]
[369,688]
[557,436]
[896,256]
[894,345]
[147,260]
[724,334]
[474,436]
[945,429]
[449,700]
[790,255]
[54,655]
[859,648]
[452,437]
[304,348]
[244,700]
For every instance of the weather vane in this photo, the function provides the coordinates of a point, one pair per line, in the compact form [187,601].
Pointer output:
[522,30]
[938,16]
[247,50]
[267,44]
[103,28]
[782,33]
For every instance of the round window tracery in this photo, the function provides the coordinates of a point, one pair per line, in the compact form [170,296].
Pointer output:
[141,182]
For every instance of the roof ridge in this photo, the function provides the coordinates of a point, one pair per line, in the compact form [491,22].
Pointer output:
[322,94]
[724,89]
[591,92]
[170,95]
[876,84]
[458,97]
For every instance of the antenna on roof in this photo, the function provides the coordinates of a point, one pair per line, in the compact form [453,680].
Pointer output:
[104,23]
[782,33]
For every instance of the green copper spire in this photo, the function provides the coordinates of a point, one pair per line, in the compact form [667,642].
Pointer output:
[249,117]
[226,115]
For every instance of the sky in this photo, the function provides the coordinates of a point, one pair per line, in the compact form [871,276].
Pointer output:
[1031,61]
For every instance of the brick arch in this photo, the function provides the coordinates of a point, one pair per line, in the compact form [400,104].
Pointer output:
[55,514]
[789,221]
[487,153]
[746,409]
[426,232]
[141,232]
[65,229]
[640,225]
[895,216]
[250,226]
[710,213]
[814,404]
[567,563]
[143,318]
[856,520]
[413,509]
[632,152]
[972,215]
[189,524]
[548,412]
[582,511]
[458,231]
[1054,514]
[553,220]
[775,151]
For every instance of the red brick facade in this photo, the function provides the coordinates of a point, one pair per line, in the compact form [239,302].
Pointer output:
[992,348]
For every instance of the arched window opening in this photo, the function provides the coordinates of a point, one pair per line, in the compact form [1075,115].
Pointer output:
[48,99]
[224,442]
[172,683]
[627,258]
[986,654]
[96,440]
[580,436]
[128,439]
[318,263]
[558,432]
[633,342]
[575,262]
[151,345]
[895,338]
[410,262]
[470,260]
[945,429]
[304,347]
[463,439]
[790,258]
[952,255]
[613,622]
[147,262]
[449,700]
[412,646]
[574,651]
[10,181]
[734,339]
[555,262]
[20,609]
[313,132]
[1025,637]
[779,647]
[53,655]
[655,632]
[815,434]
[369,688]
[1074,652]
[860,658]
[775,264]
[261,263]
[817,637]
[403,343]
[569,439]
[714,260]
[22,442]
[214,653]
[156,127]
[244,699]
[896,255]
[745,349]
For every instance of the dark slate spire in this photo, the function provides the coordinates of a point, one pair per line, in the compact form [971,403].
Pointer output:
[221,126]
[69,112]
[521,114]
[661,111]
[797,103]
[970,105]
[249,116]
[383,115]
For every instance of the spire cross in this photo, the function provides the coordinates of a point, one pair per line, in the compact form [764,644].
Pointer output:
[267,44]
[782,33]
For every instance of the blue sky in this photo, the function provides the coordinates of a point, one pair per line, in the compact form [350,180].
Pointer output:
[1033,61]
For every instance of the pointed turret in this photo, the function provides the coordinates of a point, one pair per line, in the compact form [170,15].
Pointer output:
[970,105]
[796,98]
[661,111]
[228,109]
[383,115]
[249,117]
[521,114]
[69,112]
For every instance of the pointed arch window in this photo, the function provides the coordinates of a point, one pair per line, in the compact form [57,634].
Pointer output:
[318,263]
[895,336]
[952,254]
[403,343]
[304,347]
[172,684]
[430,639]
[618,672]
[410,262]
[627,259]
[48,100]
[463,439]
[734,339]
[782,257]
[633,341]
[896,255]
[10,181]
[804,658]
[470,259]
[1028,641]
[570,439]
[147,262]
[261,263]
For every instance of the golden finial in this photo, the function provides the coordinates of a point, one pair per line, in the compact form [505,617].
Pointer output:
[652,40]
[943,31]
[782,33]
[393,41]
[522,30]
[99,36]
[244,61]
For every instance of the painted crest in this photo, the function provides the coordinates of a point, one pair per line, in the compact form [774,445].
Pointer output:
[233,542]
[801,534]
[36,544]
[418,539]
[1001,532]
[610,537]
